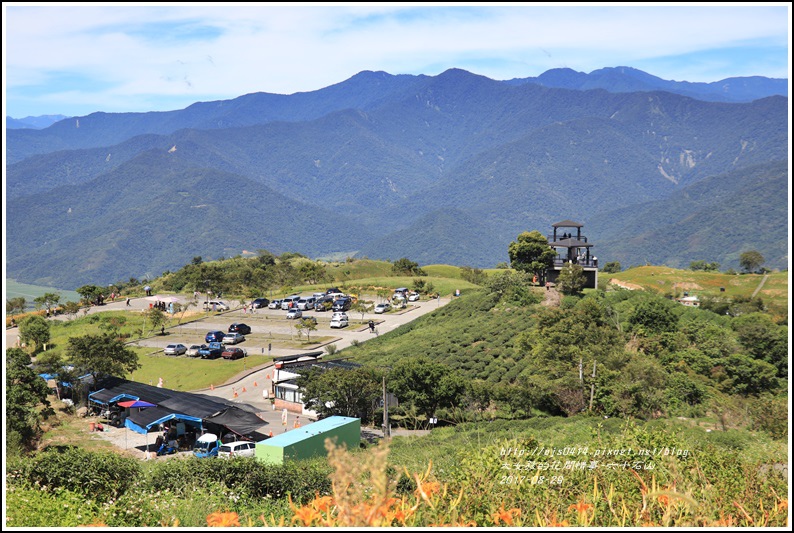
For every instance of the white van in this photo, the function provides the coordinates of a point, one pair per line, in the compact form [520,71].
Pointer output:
[237,449]
[290,300]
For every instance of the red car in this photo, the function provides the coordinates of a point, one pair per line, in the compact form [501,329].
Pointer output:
[233,352]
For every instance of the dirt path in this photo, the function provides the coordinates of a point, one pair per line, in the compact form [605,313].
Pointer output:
[553,298]
[761,284]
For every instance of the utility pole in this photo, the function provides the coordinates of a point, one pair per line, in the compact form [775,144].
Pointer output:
[592,386]
[386,428]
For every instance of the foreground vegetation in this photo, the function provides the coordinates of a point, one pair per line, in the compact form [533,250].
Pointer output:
[483,474]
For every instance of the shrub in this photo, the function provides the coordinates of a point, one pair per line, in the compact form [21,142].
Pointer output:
[97,475]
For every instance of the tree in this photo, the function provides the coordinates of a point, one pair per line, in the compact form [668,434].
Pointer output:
[342,392]
[473,275]
[90,294]
[571,279]
[101,355]
[36,330]
[703,265]
[25,391]
[156,317]
[307,325]
[312,272]
[763,339]
[425,384]
[654,315]
[613,267]
[751,260]
[71,309]
[363,307]
[531,253]
[47,300]
[407,267]
[15,305]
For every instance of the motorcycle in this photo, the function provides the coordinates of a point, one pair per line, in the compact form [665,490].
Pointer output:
[165,448]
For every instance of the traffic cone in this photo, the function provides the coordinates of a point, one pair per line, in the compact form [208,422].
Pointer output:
[212,387]
[235,394]
[255,385]
[268,376]
[244,389]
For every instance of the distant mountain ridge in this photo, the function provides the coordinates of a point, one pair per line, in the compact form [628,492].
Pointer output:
[36,123]
[440,169]
[365,90]
[627,79]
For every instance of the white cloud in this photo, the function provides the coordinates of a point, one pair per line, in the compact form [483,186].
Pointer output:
[123,52]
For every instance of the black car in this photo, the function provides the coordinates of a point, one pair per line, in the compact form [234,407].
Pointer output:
[245,329]
[260,303]
[323,304]
[342,304]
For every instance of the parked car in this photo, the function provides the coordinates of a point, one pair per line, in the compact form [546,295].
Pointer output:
[382,308]
[233,352]
[342,304]
[305,304]
[215,305]
[274,304]
[309,319]
[339,322]
[214,336]
[175,349]
[240,448]
[289,302]
[339,314]
[212,351]
[193,351]
[332,290]
[413,296]
[323,304]
[245,329]
[294,313]
[259,303]
[233,338]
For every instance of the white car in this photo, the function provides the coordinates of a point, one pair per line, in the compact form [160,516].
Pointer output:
[237,449]
[194,349]
[294,313]
[339,322]
[274,304]
[413,296]
[216,305]
[175,349]
[382,308]
[339,314]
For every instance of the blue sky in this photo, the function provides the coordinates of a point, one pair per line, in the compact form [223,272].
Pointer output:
[73,59]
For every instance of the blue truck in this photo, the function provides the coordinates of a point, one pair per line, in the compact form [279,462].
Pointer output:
[207,446]
[212,351]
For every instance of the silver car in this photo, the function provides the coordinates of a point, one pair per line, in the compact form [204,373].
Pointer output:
[175,349]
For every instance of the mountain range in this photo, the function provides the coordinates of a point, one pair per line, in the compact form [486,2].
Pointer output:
[439,169]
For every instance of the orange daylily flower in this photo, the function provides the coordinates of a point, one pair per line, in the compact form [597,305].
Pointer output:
[580,507]
[782,505]
[505,516]
[425,490]
[664,499]
[323,503]
[95,524]
[307,515]
[223,520]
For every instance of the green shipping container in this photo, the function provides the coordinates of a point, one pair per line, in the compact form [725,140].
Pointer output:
[309,440]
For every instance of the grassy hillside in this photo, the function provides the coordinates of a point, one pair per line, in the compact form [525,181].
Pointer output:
[667,281]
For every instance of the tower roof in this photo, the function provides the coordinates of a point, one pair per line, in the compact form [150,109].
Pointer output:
[567,224]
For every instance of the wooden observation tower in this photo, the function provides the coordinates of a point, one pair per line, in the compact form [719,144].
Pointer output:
[572,247]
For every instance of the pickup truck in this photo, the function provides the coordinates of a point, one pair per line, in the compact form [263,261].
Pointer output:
[212,351]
